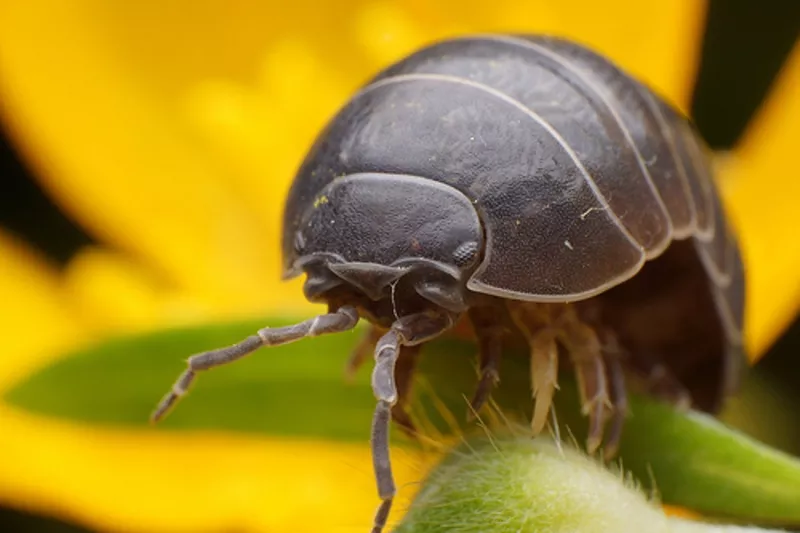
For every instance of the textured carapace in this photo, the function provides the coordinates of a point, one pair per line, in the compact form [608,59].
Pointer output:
[523,182]
[578,172]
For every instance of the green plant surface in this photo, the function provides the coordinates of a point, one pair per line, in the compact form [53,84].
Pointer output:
[507,483]
[299,390]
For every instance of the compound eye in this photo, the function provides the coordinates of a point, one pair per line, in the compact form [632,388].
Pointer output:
[465,254]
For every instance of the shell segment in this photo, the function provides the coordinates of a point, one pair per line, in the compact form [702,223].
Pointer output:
[580,110]
[638,110]
[371,227]
[688,153]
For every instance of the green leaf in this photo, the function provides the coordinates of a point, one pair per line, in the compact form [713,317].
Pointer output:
[299,390]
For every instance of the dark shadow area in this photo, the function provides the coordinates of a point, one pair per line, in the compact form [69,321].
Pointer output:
[14,521]
[745,45]
[26,211]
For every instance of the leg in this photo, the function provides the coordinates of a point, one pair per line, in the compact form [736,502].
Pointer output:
[489,331]
[619,400]
[585,352]
[613,356]
[404,373]
[407,331]
[404,379]
[341,320]
[362,351]
[534,323]
[544,376]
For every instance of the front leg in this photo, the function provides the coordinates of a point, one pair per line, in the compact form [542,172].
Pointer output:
[340,320]
[412,330]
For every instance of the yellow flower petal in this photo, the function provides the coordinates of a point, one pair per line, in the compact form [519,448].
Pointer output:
[141,481]
[116,156]
[35,320]
[761,184]
[114,294]
[656,41]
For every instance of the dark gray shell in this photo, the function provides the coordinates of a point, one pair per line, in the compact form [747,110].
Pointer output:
[579,173]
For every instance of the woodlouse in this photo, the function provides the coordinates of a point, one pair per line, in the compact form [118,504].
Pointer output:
[524,182]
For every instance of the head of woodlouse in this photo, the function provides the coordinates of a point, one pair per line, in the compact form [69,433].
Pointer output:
[394,239]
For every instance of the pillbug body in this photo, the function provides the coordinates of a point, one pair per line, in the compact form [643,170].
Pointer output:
[520,181]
